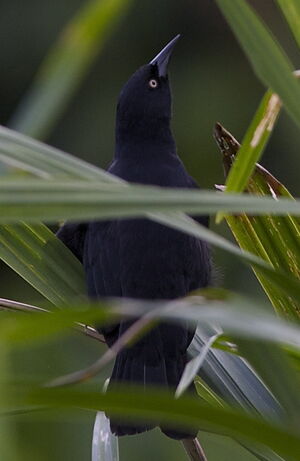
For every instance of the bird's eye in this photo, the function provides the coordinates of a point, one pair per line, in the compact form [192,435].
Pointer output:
[153,83]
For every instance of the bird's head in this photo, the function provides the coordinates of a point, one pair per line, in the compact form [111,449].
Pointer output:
[146,96]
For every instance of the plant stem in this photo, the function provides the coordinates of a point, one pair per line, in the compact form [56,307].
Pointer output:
[194,450]
[87,330]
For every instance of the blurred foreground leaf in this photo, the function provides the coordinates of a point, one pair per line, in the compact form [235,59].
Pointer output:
[277,373]
[268,59]
[8,448]
[66,64]
[35,253]
[160,406]
[291,11]
[236,316]
[44,160]
[53,200]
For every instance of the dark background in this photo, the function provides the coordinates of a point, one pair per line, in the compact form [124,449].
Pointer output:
[211,81]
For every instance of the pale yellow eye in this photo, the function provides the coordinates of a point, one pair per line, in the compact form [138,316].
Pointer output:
[153,83]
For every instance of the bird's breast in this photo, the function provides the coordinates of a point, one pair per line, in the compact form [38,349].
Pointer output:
[166,172]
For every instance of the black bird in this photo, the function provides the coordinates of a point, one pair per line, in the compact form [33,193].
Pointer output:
[138,258]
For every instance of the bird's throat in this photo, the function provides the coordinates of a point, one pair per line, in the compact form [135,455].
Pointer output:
[144,137]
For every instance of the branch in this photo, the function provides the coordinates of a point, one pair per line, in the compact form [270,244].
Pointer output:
[194,450]
[87,330]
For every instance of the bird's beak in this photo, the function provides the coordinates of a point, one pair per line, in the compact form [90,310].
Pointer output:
[163,57]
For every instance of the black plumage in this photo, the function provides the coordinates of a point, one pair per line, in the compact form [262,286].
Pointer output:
[139,258]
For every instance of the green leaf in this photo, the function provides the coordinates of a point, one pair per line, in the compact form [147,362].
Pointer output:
[66,64]
[9,449]
[253,144]
[160,406]
[53,200]
[274,239]
[236,316]
[268,60]
[37,158]
[263,453]
[51,161]
[192,367]
[45,161]
[248,240]
[291,11]
[207,394]
[36,254]
[276,371]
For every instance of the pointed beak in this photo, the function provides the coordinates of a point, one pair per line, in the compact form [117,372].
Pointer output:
[163,57]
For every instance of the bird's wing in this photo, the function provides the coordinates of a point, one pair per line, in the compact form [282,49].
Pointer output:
[73,236]
[102,268]
[101,259]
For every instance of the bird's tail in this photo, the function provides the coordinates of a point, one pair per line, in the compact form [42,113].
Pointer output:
[147,365]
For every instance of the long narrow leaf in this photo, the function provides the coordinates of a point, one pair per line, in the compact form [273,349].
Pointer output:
[274,239]
[66,65]
[34,253]
[38,157]
[234,380]
[9,449]
[82,200]
[158,406]
[291,11]
[266,56]
[235,316]
[253,143]
[276,371]
[43,160]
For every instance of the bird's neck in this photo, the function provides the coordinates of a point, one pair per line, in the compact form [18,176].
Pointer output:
[139,138]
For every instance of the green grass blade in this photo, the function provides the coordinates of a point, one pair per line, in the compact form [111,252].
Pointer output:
[263,453]
[37,255]
[232,378]
[53,200]
[82,200]
[253,143]
[45,161]
[291,11]
[209,396]
[248,240]
[274,239]
[160,406]
[193,365]
[236,317]
[276,371]
[287,285]
[49,161]
[66,65]
[9,448]
[268,60]
[27,329]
